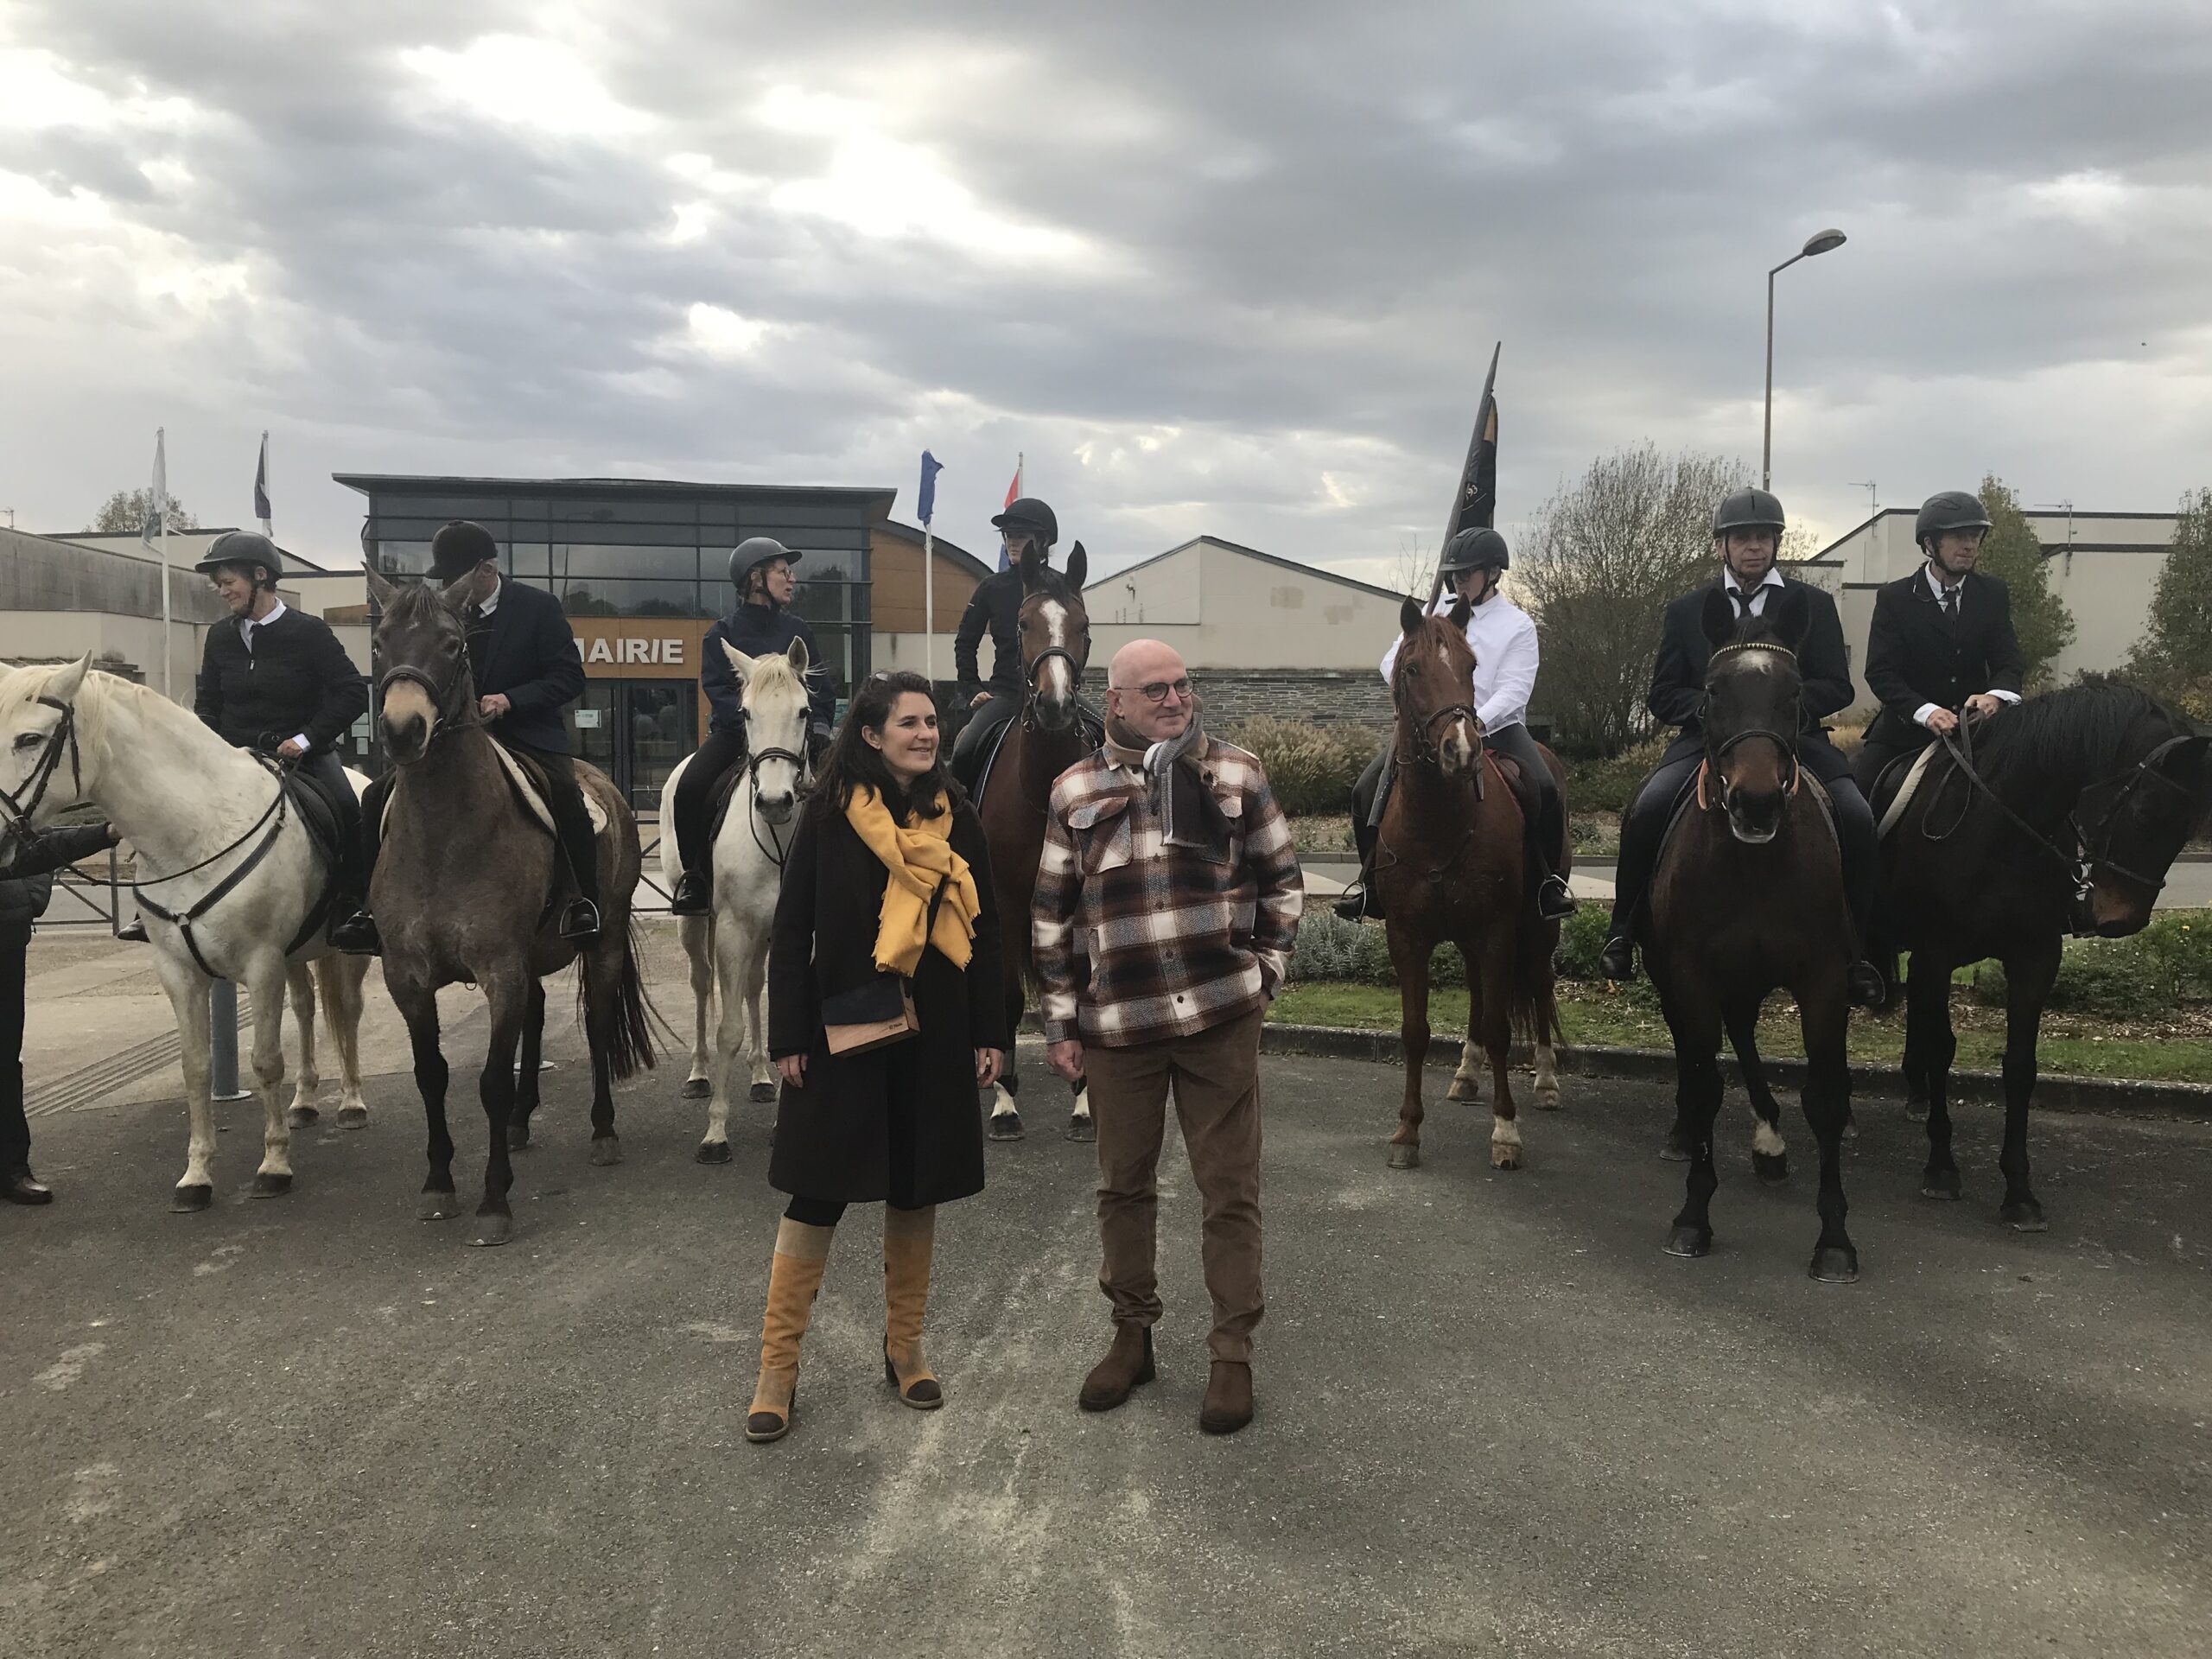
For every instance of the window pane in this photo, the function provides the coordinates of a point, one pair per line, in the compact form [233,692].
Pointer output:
[526,559]
[583,530]
[403,558]
[575,560]
[620,596]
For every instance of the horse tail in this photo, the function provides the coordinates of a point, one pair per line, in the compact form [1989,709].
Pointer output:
[629,1033]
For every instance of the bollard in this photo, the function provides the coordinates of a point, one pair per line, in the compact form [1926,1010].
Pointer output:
[223,1033]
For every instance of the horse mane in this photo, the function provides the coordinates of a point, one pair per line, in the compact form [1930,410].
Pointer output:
[415,601]
[2067,738]
[771,673]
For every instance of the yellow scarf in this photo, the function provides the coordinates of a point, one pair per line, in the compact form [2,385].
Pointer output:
[920,860]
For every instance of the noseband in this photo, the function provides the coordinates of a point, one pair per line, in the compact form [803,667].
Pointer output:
[441,696]
[1035,670]
[1717,753]
[61,739]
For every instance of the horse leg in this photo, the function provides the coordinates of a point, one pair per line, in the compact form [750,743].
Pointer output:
[340,978]
[698,935]
[1696,1025]
[1825,1018]
[266,986]
[1547,1091]
[730,1035]
[1080,1125]
[508,1000]
[300,979]
[526,1058]
[603,983]
[1006,1122]
[1409,960]
[418,1007]
[1496,962]
[1467,1078]
[189,992]
[1770,1153]
[764,1073]
[2028,979]
[1928,1046]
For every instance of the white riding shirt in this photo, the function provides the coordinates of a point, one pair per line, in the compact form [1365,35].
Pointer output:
[1504,643]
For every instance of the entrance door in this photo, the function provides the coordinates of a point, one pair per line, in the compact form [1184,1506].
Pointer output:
[635,731]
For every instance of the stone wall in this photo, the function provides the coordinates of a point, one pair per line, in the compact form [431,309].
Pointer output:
[1323,696]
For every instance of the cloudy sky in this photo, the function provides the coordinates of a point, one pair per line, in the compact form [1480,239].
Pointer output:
[1230,269]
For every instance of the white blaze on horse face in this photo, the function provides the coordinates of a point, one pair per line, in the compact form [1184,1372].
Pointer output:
[1053,682]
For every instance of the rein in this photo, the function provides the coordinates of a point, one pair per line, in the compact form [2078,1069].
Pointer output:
[1716,754]
[773,848]
[64,736]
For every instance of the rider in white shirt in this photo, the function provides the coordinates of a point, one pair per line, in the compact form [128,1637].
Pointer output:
[1504,643]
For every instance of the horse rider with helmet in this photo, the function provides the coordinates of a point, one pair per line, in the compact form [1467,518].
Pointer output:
[760,570]
[524,658]
[1504,643]
[1747,534]
[996,605]
[277,680]
[1941,639]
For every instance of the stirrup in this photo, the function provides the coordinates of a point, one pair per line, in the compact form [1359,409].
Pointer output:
[1617,960]
[1352,903]
[691,897]
[580,921]
[1555,901]
[356,935]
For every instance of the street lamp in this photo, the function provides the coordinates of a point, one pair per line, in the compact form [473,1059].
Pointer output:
[1820,242]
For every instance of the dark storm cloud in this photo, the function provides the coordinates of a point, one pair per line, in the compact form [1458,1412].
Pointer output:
[1299,226]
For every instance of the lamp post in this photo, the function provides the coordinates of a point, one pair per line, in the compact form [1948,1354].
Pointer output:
[1820,242]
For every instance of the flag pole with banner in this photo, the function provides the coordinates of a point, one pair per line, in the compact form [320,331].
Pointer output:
[925,508]
[158,531]
[261,491]
[1013,494]
[1476,501]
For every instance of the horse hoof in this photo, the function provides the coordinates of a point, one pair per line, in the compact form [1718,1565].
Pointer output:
[1915,1111]
[697,1089]
[518,1135]
[1940,1184]
[1773,1168]
[1835,1265]
[299,1116]
[2025,1217]
[267,1185]
[1505,1157]
[764,1094]
[352,1117]
[1082,1128]
[493,1229]
[1462,1089]
[713,1152]
[1006,1126]
[1547,1100]
[1850,1129]
[1689,1242]
[1674,1150]
[437,1206]
[606,1149]
[188,1198]
[1403,1156]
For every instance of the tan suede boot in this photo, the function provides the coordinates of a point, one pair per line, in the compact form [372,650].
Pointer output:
[909,1239]
[801,1252]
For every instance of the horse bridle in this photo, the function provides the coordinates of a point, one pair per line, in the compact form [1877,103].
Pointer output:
[773,848]
[1716,754]
[441,696]
[61,739]
[1033,670]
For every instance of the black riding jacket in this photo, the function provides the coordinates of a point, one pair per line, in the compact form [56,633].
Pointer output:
[297,681]
[760,630]
[996,606]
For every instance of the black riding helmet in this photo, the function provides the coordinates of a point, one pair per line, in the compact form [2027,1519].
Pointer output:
[1477,548]
[1748,509]
[1030,515]
[458,547]
[1949,510]
[244,550]
[754,552]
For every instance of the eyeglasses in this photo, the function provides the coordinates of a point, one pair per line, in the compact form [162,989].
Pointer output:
[1157,690]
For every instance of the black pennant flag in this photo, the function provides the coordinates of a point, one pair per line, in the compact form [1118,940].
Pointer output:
[1476,502]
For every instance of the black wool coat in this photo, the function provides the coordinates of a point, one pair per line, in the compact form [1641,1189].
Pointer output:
[834,1136]
[526,651]
[297,681]
[1914,655]
[1823,668]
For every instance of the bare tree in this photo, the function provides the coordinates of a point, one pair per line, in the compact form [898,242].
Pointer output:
[125,512]
[1411,570]
[1599,565]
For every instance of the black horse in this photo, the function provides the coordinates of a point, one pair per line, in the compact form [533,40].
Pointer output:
[2060,813]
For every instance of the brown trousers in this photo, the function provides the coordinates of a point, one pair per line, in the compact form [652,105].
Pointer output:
[1215,1076]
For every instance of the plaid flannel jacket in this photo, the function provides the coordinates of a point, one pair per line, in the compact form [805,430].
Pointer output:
[1136,940]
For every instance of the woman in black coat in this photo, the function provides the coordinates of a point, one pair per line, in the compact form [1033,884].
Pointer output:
[897,1124]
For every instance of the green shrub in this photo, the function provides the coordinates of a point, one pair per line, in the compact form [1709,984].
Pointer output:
[1581,937]
[1358,952]
[1311,768]
[2167,966]
[1609,785]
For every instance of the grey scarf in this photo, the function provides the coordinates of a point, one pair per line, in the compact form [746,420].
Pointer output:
[1189,816]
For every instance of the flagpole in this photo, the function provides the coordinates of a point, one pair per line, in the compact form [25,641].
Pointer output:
[269,518]
[162,507]
[929,606]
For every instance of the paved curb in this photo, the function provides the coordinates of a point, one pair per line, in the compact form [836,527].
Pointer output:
[2053,1094]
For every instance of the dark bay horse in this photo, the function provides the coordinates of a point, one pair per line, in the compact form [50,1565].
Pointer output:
[1748,896]
[460,894]
[2084,798]
[1449,864]
[1042,743]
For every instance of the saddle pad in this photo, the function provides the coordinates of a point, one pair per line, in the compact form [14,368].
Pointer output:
[530,786]
[1905,789]
[725,791]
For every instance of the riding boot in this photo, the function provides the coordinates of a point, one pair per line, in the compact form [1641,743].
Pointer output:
[133,932]
[1360,902]
[909,1237]
[794,1277]
[692,896]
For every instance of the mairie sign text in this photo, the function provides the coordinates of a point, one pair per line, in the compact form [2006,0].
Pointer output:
[666,652]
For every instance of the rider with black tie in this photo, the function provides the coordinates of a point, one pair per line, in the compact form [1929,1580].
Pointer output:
[1941,639]
[1747,534]
[527,668]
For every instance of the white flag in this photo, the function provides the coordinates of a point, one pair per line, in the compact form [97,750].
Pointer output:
[157,498]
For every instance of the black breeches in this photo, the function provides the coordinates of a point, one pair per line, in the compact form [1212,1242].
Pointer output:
[1538,793]
[14,1127]
[1364,794]
[1855,829]
[566,796]
[1644,826]
[1873,758]
[694,796]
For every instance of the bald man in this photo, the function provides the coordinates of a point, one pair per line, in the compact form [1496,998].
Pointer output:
[1167,902]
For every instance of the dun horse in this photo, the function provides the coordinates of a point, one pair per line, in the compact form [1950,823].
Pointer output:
[730,943]
[229,879]
[1748,895]
[460,894]
[2065,816]
[1450,864]
[1044,742]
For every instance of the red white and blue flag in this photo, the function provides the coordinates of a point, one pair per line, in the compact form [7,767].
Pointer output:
[1012,494]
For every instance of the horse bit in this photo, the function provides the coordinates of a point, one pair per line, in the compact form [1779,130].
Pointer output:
[1718,754]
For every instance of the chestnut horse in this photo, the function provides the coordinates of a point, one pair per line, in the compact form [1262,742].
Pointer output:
[1749,896]
[1449,864]
[1046,739]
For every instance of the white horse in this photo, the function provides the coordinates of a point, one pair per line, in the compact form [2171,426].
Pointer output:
[209,829]
[728,946]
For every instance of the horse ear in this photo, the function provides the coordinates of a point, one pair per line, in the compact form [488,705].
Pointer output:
[1460,613]
[1078,566]
[69,679]
[379,589]
[1409,615]
[796,652]
[469,590]
[738,659]
[1718,619]
[1031,567]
